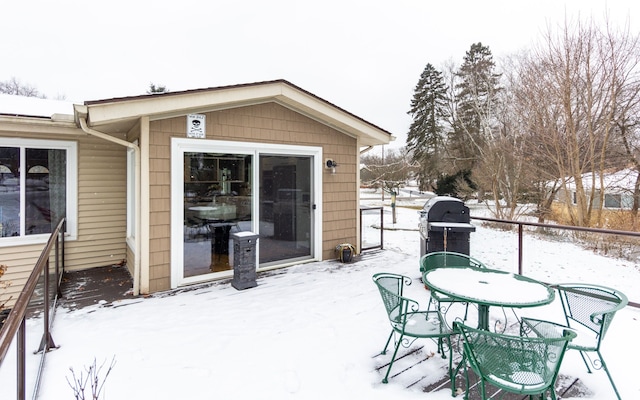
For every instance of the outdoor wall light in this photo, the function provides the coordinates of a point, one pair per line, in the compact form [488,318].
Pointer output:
[330,164]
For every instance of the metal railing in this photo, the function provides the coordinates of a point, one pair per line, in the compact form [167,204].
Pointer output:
[367,241]
[520,225]
[31,316]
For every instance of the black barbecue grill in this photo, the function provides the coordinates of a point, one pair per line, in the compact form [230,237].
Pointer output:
[445,226]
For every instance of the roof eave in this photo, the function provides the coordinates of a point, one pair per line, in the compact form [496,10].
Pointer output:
[58,124]
[109,112]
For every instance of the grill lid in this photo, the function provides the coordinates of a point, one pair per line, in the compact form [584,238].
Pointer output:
[445,209]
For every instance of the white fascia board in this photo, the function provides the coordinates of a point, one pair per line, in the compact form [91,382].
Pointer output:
[168,105]
[16,125]
[171,105]
[332,116]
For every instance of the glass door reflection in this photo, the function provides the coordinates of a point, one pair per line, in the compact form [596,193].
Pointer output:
[217,201]
[285,208]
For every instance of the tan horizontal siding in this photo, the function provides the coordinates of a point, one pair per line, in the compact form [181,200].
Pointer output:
[101,212]
[107,215]
[89,204]
[102,206]
[20,261]
[110,238]
[106,190]
[104,246]
[98,211]
[98,180]
[101,255]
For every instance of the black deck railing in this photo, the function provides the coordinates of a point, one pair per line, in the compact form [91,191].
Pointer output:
[520,226]
[367,241]
[35,304]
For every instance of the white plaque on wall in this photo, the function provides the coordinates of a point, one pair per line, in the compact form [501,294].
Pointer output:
[195,126]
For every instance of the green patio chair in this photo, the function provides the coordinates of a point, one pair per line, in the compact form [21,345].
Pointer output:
[408,322]
[526,365]
[440,259]
[589,309]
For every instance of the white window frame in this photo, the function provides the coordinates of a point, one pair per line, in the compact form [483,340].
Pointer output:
[71,149]
[181,145]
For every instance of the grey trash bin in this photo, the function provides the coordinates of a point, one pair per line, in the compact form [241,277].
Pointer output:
[244,260]
[445,226]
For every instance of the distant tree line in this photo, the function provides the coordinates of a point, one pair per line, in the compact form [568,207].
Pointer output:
[566,107]
[13,86]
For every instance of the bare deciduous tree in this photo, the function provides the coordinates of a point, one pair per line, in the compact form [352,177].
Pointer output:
[14,87]
[578,77]
[503,168]
[389,171]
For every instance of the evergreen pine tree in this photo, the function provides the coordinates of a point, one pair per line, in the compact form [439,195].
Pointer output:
[475,112]
[153,89]
[475,116]
[425,140]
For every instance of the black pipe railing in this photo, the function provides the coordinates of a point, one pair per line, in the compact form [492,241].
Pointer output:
[379,213]
[521,224]
[36,300]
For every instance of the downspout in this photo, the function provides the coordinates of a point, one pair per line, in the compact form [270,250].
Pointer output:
[138,225]
[366,149]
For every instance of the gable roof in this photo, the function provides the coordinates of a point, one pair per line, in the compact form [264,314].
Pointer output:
[121,114]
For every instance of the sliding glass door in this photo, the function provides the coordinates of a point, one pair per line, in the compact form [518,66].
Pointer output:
[217,201]
[223,187]
[285,208]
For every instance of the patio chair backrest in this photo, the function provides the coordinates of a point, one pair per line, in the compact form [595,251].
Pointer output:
[391,287]
[408,322]
[517,364]
[439,259]
[592,306]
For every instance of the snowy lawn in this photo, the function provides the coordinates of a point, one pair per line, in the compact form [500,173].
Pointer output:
[312,331]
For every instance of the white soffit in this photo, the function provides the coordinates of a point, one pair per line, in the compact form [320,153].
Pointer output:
[169,105]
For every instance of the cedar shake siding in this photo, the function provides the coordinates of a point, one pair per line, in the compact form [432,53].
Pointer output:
[263,123]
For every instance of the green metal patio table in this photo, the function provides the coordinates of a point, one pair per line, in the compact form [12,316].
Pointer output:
[488,287]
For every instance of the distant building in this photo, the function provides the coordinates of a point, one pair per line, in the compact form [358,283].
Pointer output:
[618,189]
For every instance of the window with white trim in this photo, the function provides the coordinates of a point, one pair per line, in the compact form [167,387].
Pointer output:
[612,200]
[38,181]
[620,200]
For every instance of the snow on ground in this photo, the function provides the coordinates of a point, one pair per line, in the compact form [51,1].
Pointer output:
[311,331]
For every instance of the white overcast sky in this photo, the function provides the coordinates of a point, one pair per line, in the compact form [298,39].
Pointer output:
[362,55]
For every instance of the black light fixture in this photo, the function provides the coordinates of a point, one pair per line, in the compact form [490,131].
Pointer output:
[331,164]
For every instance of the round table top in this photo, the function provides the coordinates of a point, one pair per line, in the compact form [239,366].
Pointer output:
[488,286]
